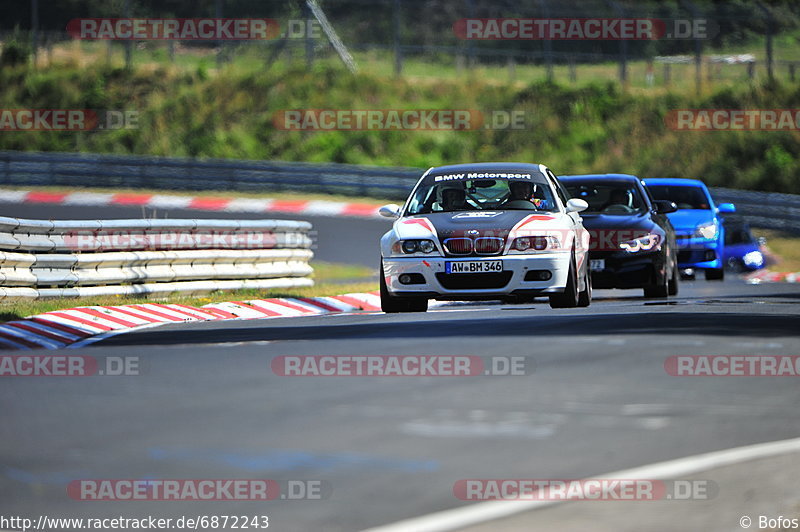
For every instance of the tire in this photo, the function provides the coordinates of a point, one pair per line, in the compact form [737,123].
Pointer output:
[657,290]
[569,297]
[715,274]
[672,286]
[585,296]
[391,304]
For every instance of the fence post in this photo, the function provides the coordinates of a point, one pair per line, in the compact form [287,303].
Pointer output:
[770,31]
[791,71]
[308,40]
[35,29]
[573,71]
[398,58]
[470,43]
[548,43]
[218,14]
[128,42]
[512,68]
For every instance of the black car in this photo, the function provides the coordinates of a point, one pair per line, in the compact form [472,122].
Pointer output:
[633,243]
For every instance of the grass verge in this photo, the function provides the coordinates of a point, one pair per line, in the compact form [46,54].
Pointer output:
[784,248]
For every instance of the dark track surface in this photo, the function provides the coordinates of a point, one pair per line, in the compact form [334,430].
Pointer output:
[208,405]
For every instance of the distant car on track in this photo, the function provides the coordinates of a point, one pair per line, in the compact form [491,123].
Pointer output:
[742,251]
[700,233]
[633,242]
[485,231]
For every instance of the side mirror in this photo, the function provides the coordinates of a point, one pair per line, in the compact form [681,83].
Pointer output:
[664,206]
[726,208]
[390,211]
[576,205]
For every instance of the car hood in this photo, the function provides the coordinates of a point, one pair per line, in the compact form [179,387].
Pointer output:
[477,223]
[629,222]
[685,220]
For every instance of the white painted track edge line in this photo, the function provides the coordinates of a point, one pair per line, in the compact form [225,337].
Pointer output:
[483,512]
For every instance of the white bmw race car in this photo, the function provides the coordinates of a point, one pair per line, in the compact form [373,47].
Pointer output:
[485,231]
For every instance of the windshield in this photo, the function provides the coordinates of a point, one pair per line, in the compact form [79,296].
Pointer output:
[685,197]
[608,197]
[738,234]
[481,195]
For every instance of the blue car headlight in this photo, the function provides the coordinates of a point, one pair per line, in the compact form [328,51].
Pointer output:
[708,230]
[754,259]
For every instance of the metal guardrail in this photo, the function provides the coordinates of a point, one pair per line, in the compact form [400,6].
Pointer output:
[115,171]
[78,258]
[760,209]
[768,210]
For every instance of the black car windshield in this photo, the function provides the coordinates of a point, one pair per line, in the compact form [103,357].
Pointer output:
[608,197]
[481,195]
[684,196]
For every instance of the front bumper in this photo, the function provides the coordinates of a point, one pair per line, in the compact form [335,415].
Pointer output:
[436,284]
[699,253]
[627,270]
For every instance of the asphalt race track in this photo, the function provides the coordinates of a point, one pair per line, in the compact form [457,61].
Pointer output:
[208,405]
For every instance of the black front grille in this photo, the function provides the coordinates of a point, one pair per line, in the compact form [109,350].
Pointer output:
[489,245]
[474,281]
[458,246]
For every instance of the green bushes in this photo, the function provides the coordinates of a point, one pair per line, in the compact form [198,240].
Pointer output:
[229,114]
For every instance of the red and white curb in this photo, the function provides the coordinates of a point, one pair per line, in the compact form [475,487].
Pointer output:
[763,276]
[200,203]
[83,325]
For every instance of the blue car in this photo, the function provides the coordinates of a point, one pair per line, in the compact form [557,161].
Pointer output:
[698,227]
[742,250]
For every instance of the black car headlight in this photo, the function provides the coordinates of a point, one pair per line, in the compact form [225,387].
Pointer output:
[644,243]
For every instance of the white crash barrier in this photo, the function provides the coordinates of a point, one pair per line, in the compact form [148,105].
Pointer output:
[79,258]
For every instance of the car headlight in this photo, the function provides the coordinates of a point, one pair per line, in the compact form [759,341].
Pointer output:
[754,259]
[535,243]
[644,243]
[708,230]
[409,247]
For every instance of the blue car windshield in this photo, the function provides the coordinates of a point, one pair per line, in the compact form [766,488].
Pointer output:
[684,196]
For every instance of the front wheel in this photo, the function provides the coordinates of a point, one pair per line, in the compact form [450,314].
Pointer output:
[659,289]
[391,304]
[672,288]
[585,297]
[569,297]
